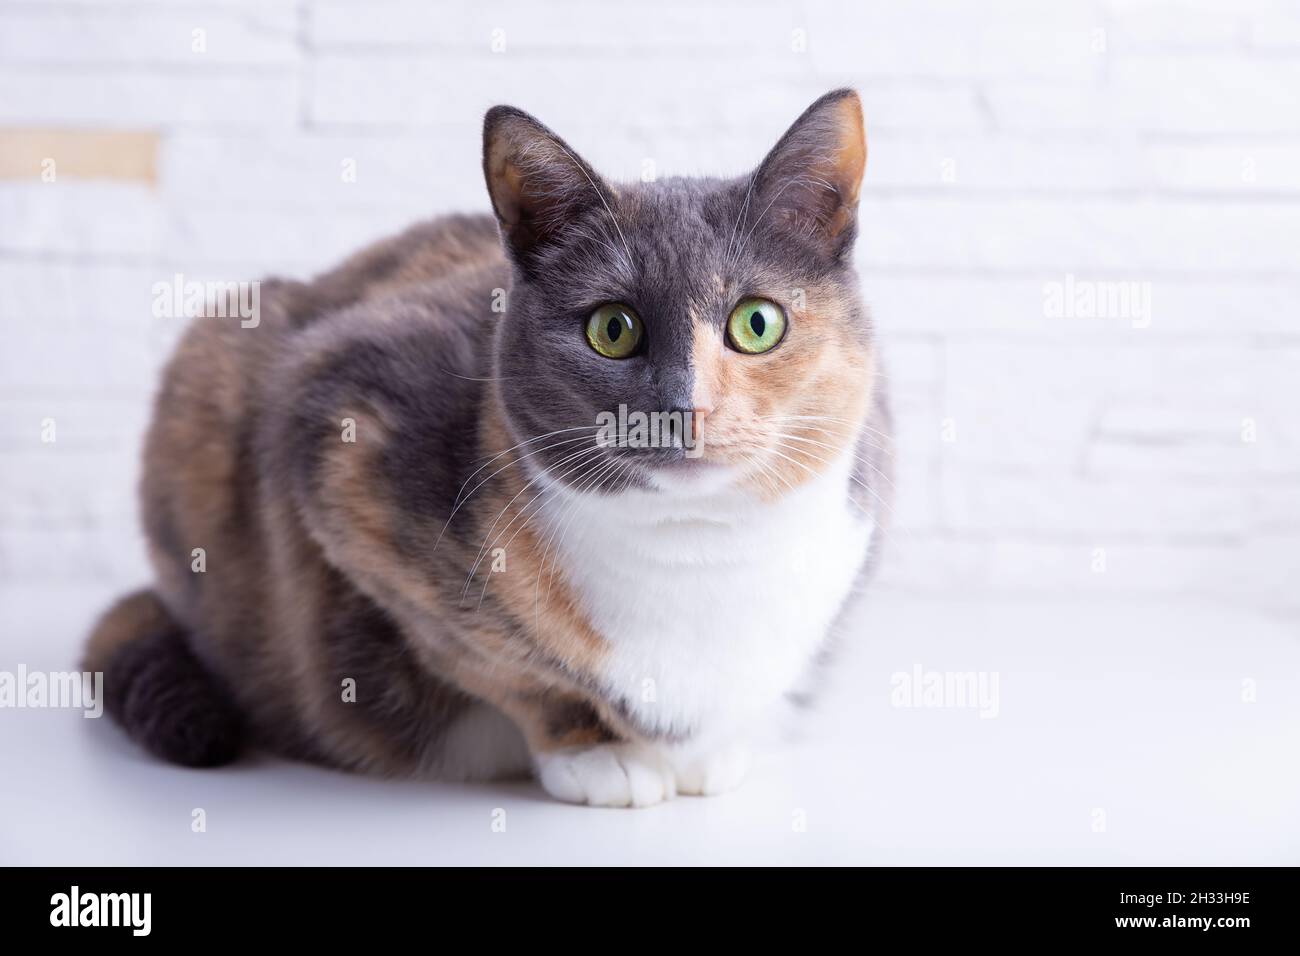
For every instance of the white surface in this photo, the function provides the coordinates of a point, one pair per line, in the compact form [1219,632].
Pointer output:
[1134,709]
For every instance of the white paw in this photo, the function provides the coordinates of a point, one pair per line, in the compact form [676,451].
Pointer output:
[715,772]
[609,775]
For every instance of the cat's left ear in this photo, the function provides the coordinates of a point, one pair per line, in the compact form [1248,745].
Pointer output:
[538,184]
[808,184]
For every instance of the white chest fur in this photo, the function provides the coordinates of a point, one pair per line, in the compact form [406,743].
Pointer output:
[713,604]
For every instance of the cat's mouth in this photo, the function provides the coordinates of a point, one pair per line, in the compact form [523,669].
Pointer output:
[688,466]
[691,474]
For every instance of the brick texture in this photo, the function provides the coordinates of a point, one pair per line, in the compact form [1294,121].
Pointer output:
[1017,147]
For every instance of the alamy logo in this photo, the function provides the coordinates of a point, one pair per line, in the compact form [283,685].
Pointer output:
[102,909]
[974,690]
[57,690]
[1088,299]
[626,429]
[180,299]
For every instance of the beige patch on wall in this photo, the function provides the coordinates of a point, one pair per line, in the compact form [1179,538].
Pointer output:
[128,155]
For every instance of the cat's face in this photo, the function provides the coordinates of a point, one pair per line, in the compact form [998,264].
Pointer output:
[729,304]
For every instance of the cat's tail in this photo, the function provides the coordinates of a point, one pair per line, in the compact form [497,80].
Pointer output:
[157,689]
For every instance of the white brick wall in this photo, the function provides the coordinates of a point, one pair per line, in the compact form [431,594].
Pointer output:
[1013,143]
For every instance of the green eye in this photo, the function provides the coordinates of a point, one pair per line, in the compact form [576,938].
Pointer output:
[614,331]
[756,325]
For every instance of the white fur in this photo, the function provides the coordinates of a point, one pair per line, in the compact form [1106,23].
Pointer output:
[609,775]
[713,602]
[639,775]
[715,772]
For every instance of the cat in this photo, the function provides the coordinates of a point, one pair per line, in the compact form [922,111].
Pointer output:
[389,537]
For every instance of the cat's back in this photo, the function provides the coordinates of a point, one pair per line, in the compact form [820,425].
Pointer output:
[439,250]
[199,488]
[450,265]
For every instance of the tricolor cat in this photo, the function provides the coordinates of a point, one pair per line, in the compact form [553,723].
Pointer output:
[420,554]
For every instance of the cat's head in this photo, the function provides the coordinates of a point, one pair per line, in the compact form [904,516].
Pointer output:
[721,315]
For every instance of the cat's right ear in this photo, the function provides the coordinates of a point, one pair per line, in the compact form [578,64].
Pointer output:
[537,183]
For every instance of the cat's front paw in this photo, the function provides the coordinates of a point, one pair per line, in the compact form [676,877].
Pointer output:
[608,775]
[715,772]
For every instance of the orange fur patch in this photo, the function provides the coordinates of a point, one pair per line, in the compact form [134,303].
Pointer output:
[785,414]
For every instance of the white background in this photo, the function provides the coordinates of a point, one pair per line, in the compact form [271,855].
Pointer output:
[1097,531]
